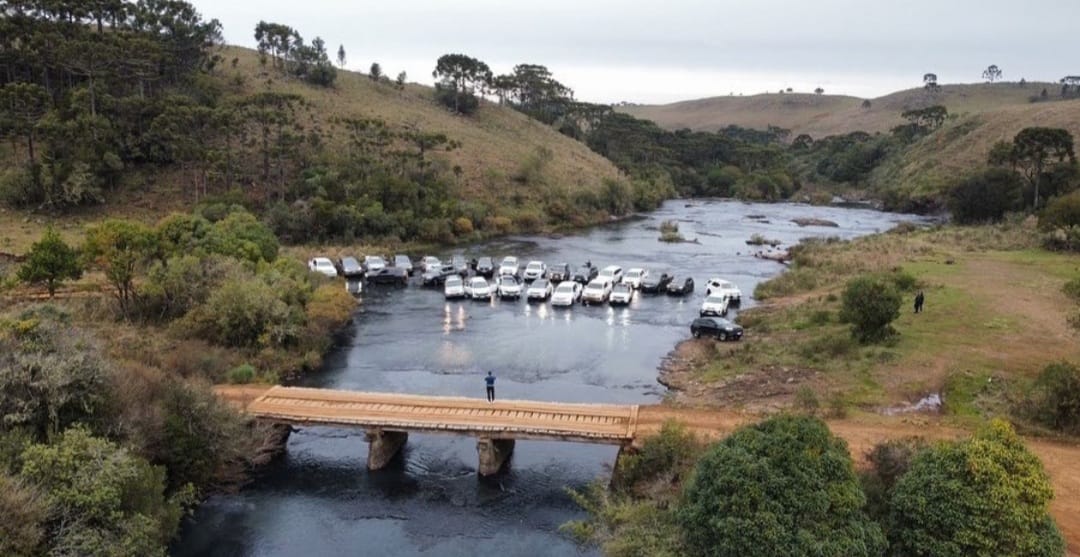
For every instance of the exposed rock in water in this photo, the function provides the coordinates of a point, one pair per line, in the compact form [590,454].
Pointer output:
[814,222]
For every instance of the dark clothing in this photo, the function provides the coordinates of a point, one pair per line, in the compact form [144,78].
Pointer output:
[919,299]
[490,381]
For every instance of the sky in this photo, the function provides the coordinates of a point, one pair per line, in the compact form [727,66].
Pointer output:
[658,51]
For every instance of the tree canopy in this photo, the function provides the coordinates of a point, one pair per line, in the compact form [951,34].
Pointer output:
[50,261]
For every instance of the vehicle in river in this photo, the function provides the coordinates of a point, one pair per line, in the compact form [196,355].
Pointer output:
[454,287]
[389,275]
[714,304]
[485,267]
[560,272]
[436,275]
[677,288]
[596,292]
[534,270]
[509,287]
[323,266]
[509,266]
[540,289]
[374,263]
[612,273]
[655,283]
[621,294]
[634,276]
[478,288]
[723,287]
[566,294]
[351,268]
[460,265]
[585,274]
[428,262]
[403,262]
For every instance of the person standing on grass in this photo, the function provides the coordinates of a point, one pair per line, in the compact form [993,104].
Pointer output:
[490,381]
[919,299]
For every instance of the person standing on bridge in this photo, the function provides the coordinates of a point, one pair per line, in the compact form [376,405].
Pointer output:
[490,381]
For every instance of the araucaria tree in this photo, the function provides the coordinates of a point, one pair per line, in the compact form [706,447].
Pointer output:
[50,261]
[930,83]
[460,77]
[992,73]
[987,495]
[1034,148]
[785,486]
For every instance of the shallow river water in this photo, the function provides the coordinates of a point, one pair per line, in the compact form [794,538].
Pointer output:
[320,500]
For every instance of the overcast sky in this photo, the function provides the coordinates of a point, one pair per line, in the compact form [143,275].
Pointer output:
[667,50]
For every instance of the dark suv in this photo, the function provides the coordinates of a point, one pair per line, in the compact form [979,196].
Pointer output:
[716,327]
[559,273]
[585,273]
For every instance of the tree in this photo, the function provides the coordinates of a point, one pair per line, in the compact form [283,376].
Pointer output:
[992,73]
[986,196]
[50,261]
[341,55]
[1070,86]
[1033,148]
[987,495]
[459,78]
[22,105]
[375,74]
[103,499]
[400,81]
[120,249]
[1055,398]
[783,487]
[867,104]
[819,91]
[870,305]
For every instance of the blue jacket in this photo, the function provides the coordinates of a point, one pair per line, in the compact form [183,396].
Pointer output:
[490,380]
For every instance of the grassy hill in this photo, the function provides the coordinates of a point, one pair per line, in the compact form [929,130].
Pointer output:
[822,115]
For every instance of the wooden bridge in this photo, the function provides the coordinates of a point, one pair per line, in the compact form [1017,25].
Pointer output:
[388,418]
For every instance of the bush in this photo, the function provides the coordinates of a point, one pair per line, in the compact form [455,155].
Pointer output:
[463,226]
[1072,289]
[785,486]
[806,401]
[870,304]
[889,461]
[1055,398]
[50,261]
[103,500]
[986,196]
[22,530]
[1061,212]
[241,374]
[662,457]
[244,313]
[669,232]
[987,495]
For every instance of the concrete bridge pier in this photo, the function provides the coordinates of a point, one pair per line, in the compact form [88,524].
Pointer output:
[383,446]
[493,454]
[625,449]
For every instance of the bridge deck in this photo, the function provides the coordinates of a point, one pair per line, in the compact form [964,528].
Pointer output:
[515,419]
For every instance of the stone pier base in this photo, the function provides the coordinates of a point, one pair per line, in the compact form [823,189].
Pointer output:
[616,471]
[493,454]
[383,446]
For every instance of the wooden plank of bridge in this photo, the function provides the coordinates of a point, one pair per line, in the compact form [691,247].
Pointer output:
[599,423]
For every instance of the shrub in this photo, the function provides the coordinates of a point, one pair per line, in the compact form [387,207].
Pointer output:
[463,226]
[1055,397]
[785,486]
[102,497]
[662,457]
[987,495]
[889,461]
[806,401]
[986,196]
[50,261]
[870,304]
[1061,212]
[241,374]
[23,528]
[1072,289]
[243,313]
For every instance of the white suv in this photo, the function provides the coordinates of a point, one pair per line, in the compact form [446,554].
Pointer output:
[534,270]
[597,291]
[634,277]
[612,274]
[715,304]
[509,266]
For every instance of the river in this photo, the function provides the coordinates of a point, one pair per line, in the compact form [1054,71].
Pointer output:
[320,500]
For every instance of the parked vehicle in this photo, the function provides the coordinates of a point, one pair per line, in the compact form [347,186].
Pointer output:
[485,267]
[374,264]
[454,287]
[322,265]
[460,265]
[714,304]
[509,266]
[436,276]
[509,287]
[478,288]
[596,292]
[403,262]
[716,327]
[428,262]
[535,270]
[351,268]
[653,284]
[634,276]
[354,287]
[613,274]
[677,288]
[389,275]
[722,287]
[621,294]
[559,273]
[585,274]
[566,294]
[540,289]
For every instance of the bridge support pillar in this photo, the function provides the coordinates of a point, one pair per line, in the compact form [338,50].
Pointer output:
[493,454]
[383,446]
